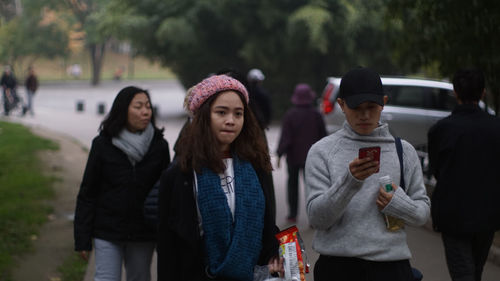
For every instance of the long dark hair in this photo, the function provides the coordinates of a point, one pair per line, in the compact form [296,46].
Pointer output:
[199,147]
[116,119]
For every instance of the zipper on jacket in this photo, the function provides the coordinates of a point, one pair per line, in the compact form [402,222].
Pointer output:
[134,173]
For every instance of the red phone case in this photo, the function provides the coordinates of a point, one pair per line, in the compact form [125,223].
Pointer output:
[374,152]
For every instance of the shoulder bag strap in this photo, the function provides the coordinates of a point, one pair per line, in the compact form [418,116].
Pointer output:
[399,149]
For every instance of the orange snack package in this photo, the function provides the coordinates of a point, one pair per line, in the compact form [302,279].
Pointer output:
[293,251]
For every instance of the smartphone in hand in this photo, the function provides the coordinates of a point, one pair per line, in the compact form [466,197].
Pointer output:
[373,152]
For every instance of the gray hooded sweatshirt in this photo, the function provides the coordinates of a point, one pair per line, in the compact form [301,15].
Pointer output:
[343,210]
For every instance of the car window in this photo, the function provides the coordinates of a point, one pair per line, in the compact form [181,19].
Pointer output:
[405,96]
[420,97]
[445,99]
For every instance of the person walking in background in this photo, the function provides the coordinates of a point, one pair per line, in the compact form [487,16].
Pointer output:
[260,102]
[463,152]
[183,130]
[31,84]
[302,126]
[345,202]
[215,217]
[75,70]
[125,161]
[9,84]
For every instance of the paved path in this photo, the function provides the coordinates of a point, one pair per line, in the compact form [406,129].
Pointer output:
[55,109]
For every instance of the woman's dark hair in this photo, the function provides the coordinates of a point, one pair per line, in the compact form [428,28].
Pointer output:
[116,119]
[468,84]
[200,148]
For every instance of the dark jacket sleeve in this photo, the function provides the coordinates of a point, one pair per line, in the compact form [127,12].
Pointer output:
[85,203]
[270,243]
[164,236]
[151,201]
[286,136]
[180,252]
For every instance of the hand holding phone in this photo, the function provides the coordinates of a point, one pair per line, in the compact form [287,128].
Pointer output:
[365,164]
[372,152]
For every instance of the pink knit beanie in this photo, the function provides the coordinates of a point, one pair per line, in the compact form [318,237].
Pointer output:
[213,85]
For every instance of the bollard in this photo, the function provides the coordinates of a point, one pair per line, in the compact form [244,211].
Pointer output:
[101,108]
[80,106]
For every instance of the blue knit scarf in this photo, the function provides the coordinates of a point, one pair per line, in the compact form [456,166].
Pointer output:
[232,249]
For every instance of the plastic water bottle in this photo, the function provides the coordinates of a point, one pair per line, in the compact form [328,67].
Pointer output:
[386,182]
[392,223]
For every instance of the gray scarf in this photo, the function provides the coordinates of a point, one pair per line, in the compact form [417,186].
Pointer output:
[135,145]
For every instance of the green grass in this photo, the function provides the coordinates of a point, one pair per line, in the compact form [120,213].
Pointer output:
[73,268]
[24,191]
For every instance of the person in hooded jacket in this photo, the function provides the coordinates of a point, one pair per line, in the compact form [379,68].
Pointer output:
[125,161]
[302,126]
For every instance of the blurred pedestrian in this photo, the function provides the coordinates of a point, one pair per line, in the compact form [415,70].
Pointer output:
[125,161]
[260,101]
[183,130]
[215,220]
[31,85]
[9,84]
[75,70]
[301,127]
[463,154]
[117,75]
[347,205]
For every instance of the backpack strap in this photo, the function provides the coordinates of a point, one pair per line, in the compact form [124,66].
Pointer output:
[399,149]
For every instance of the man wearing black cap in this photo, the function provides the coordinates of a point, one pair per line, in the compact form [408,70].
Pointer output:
[347,205]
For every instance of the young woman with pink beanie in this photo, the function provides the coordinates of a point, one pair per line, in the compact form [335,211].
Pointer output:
[215,217]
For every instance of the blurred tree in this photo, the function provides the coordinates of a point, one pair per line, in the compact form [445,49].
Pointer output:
[450,34]
[87,13]
[371,37]
[291,41]
[33,32]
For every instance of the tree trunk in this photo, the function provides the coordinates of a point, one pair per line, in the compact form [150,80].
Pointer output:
[97,58]
[131,64]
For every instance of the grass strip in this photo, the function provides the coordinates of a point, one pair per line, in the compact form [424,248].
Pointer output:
[24,191]
[73,268]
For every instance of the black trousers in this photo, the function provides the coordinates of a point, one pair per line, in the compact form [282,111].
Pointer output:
[467,254]
[293,188]
[329,268]
[6,104]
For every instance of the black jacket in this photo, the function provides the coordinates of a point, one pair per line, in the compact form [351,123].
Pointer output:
[180,245]
[8,81]
[464,153]
[260,104]
[302,127]
[112,193]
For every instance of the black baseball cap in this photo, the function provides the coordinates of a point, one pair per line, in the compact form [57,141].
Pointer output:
[361,85]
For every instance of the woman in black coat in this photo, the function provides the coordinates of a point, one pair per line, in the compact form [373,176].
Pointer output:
[216,218]
[125,161]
